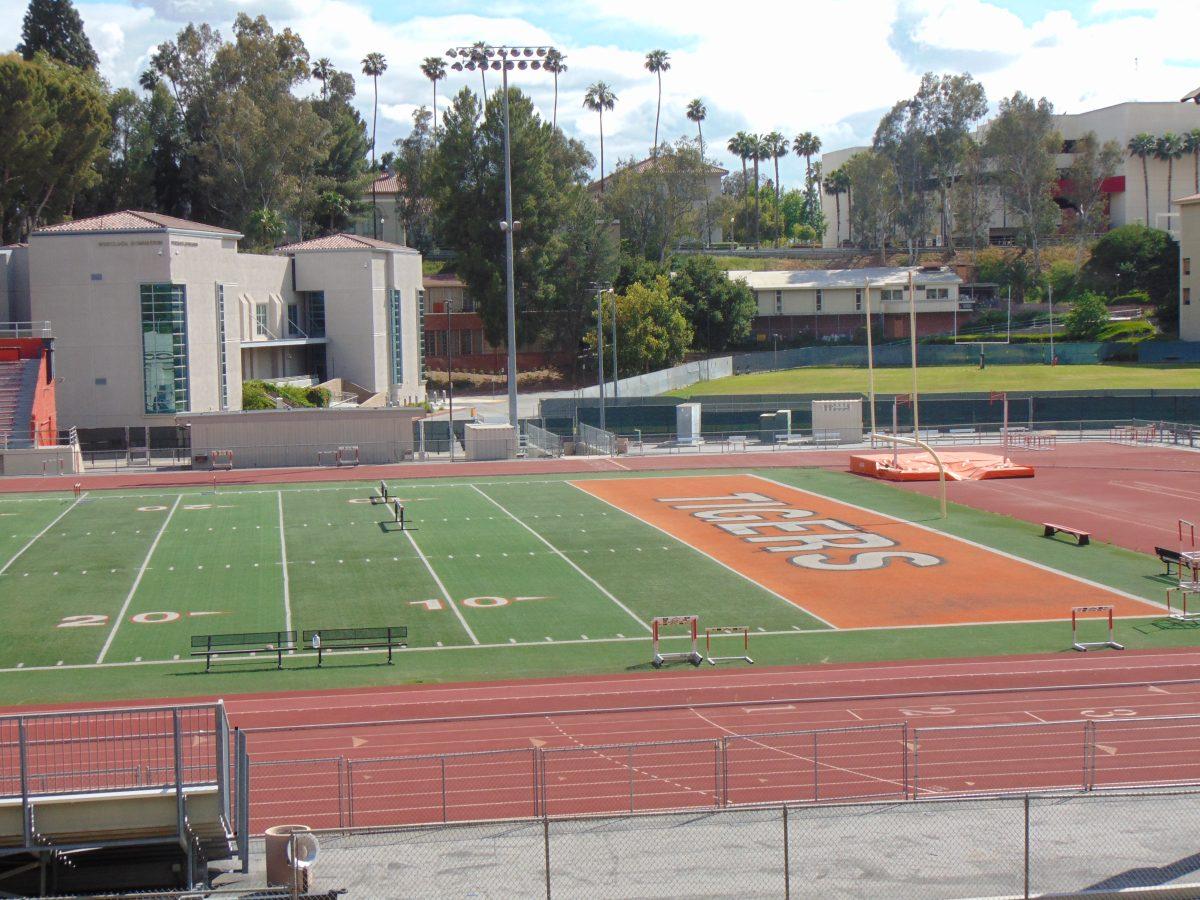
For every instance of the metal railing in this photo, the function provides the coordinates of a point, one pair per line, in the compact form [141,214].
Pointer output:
[25,330]
[593,441]
[547,443]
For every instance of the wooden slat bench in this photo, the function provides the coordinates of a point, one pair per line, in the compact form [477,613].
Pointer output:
[244,644]
[322,639]
[1082,538]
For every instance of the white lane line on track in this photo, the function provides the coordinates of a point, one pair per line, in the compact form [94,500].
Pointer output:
[34,539]
[136,581]
[597,585]
[445,593]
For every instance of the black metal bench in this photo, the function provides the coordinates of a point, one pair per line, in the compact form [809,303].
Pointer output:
[1082,538]
[245,644]
[1170,558]
[322,639]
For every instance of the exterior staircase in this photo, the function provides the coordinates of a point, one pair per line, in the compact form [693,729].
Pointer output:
[18,385]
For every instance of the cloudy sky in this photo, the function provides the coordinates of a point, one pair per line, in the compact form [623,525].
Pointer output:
[826,66]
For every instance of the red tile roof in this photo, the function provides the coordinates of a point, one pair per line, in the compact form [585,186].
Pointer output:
[343,242]
[388,183]
[132,220]
[645,165]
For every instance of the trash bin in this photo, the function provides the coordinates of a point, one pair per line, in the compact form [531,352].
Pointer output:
[279,871]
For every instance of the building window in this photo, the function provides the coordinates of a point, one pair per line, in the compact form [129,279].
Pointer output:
[164,348]
[397,338]
[222,362]
[820,298]
[468,303]
[1187,265]
[1187,296]
[260,319]
[421,330]
[466,343]
[293,316]
[779,303]
[858,299]
[932,293]
[891,294]
[315,301]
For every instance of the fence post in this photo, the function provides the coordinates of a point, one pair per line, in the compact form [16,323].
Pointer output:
[1089,754]
[341,780]
[442,760]
[916,759]
[725,771]
[816,775]
[546,844]
[350,793]
[26,815]
[533,785]
[1026,845]
[904,756]
[787,861]
[629,766]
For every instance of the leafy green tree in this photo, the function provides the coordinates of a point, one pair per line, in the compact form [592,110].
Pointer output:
[264,229]
[1091,166]
[1137,258]
[949,105]
[599,99]
[54,27]
[652,329]
[657,62]
[632,268]
[872,182]
[719,309]
[971,195]
[466,187]
[54,128]
[1022,143]
[1087,318]
[900,141]
[414,156]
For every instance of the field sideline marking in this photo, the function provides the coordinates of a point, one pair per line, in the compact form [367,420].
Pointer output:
[136,581]
[975,544]
[607,593]
[34,539]
[445,593]
[287,596]
[696,549]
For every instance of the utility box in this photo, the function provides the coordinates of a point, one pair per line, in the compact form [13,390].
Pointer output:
[687,423]
[490,441]
[837,421]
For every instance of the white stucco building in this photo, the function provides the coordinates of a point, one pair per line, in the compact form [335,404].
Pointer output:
[155,316]
[1189,267]
[1126,189]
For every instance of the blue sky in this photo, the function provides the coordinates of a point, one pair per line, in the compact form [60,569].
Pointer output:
[828,67]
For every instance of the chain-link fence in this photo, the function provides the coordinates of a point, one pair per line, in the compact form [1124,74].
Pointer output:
[1015,846]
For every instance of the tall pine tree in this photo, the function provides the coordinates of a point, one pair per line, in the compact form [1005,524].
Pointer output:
[54,26]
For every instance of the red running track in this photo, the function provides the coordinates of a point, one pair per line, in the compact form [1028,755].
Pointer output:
[704,739]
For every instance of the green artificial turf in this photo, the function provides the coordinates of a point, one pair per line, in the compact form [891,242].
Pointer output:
[90,591]
[952,379]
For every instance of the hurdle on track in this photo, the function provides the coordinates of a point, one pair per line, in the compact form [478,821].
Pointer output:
[743,630]
[1181,614]
[398,510]
[1077,644]
[383,495]
[77,490]
[342,456]
[692,623]
[220,459]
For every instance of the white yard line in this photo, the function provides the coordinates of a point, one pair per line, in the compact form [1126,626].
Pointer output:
[33,540]
[441,587]
[287,593]
[136,581]
[707,556]
[597,585]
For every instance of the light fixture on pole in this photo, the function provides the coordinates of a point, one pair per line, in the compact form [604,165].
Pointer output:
[504,59]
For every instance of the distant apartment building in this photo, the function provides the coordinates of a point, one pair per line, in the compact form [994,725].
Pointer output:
[1125,189]
[1189,267]
[827,304]
[381,203]
[155,316]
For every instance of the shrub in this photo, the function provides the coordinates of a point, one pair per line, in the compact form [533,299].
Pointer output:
[1136,258]
[1087,318]
[1139,297]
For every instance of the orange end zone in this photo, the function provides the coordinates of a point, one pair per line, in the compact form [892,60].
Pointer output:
[849,566]
[920,467]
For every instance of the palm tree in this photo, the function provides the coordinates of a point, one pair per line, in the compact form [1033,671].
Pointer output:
[1142,146]
[759,151]
[807,145]
[374,65]
[697,113]
[777,144]
[657,62]
[836,184]
[323,70]
[434,68]
[598,98]
[479,57]
[265,227]
[1169,147]
[739,146]
[555,64]
[1191,144]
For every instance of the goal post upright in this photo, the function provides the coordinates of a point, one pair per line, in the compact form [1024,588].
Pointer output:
[1076,613]
[692,623]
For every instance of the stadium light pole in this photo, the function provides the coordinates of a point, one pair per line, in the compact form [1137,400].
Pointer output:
[504,59]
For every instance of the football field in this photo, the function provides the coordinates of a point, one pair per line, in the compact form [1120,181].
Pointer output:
[537,576]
